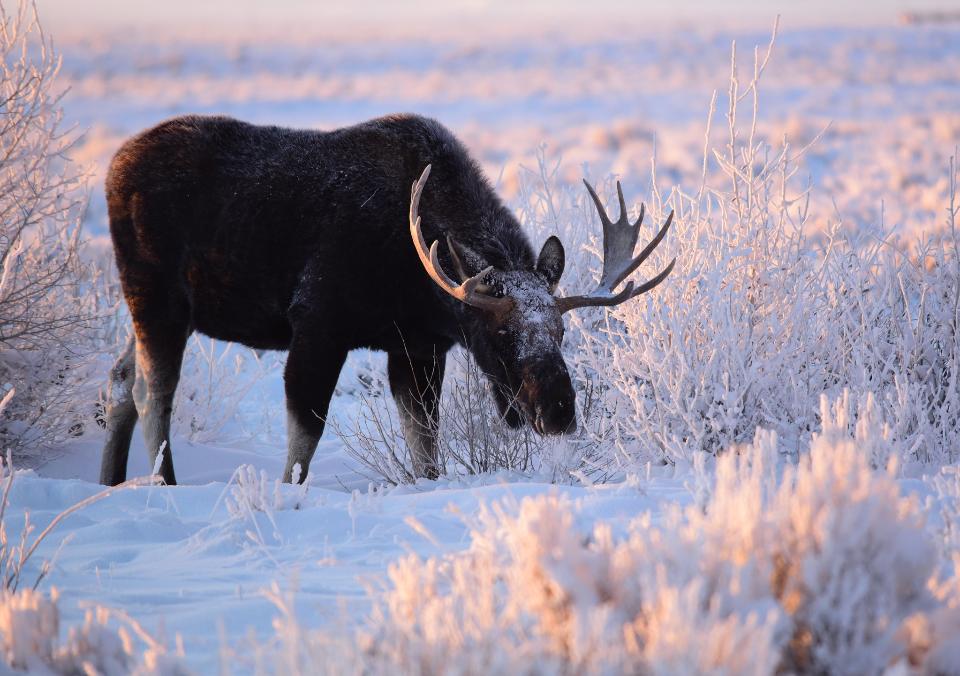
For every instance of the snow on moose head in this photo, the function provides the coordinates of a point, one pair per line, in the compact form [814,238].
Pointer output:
[520,326]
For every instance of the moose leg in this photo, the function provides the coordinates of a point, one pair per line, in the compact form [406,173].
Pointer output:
[160,346]
[415,383]
[121,417]
[310,376]
[158,373]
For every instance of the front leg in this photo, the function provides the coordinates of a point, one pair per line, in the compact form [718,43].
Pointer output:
[313,367]
[415,383]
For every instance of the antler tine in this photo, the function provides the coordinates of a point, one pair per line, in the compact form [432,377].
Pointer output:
[623,206]
[457,263]
[643,210]
[619,241]
[628,292]
[650,283]
[461,269]
[596,200]
[468,285]
[415,191]
[468,291]
[647,250]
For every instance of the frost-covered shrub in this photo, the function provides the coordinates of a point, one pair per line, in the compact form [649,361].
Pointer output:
[46,304]
[29,627]
[30,641]
[765,313]
[472,437]
[822,566]
[251,491]
[759,318]
[215,379]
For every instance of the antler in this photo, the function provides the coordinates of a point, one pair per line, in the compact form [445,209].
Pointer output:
[470,290]
[619,241]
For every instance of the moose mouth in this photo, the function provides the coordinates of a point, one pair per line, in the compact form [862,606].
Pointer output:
[533,415]
[547,416]
[559,422]
[546,423]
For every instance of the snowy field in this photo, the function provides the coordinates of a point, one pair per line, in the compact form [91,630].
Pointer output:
[232,571]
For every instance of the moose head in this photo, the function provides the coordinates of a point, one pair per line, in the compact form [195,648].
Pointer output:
[517,326]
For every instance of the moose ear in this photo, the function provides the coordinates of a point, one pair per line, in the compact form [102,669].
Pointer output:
[550,262]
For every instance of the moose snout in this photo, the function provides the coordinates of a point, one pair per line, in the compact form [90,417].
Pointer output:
[551,405]
[555,418]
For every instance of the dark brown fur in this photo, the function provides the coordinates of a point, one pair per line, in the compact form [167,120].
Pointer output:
[298,240]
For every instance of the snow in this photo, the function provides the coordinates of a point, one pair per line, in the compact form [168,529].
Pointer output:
[179,561]
[197,561]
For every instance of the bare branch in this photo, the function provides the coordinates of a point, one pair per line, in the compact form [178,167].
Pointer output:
[47,299]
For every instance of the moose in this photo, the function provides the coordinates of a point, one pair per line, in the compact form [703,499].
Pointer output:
[308,241]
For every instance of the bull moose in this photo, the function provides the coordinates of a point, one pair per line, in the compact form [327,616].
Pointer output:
[309,242]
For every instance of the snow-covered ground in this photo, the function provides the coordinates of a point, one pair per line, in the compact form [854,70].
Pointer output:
[193,560]
[184,561]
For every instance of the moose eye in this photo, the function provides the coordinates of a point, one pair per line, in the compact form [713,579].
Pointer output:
[495,290]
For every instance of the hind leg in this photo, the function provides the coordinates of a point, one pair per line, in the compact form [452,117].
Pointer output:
[148,229]
[121,417]
[160,309]
[159,357]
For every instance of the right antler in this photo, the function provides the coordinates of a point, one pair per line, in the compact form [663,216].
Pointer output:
[619,241]
[470,290]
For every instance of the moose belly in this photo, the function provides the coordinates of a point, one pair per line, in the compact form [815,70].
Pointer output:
[243,309]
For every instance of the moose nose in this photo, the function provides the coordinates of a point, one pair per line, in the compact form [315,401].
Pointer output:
[556,417]
[548,399]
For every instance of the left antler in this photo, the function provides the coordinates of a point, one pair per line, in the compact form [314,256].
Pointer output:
[619,241]
[470,290]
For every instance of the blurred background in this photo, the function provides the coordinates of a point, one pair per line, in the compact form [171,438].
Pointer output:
[597,87]
[256,15]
